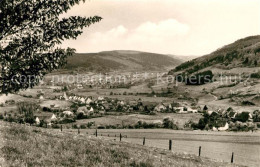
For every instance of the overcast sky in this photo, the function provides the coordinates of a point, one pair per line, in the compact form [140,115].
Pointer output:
[179,27]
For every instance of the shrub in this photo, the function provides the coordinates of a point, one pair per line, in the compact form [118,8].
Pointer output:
[242,117]
[55,126]
[83,127]
[27,109]
[169,124]
[255,75]
[66,120]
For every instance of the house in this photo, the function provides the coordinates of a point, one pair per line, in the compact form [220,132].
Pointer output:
[37,121]
[88,101]
[160,108]
[214,129]
[133,103]
[209,112]
[79,86]
[181,109]
[41,97]
[91,109]
[100,98]
[121,102]
[53,117]
[82,100]
[224,128]
[65,96]
[68,113]
[250,119]
[190,110]
[82,109]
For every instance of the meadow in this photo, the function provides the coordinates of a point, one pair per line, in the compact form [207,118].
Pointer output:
[30,146]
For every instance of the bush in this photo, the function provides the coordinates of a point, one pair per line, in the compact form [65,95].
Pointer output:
[83,127]
[74,126]
[55,126]
[255,75]
[66,120]
[27,109]
[169,124]
[242,117]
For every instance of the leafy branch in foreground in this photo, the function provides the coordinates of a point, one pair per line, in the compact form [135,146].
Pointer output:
[30,33]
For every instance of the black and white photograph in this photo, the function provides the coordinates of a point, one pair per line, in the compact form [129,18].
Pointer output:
[129,83]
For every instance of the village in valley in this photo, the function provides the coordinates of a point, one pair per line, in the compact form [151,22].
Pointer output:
[60,105]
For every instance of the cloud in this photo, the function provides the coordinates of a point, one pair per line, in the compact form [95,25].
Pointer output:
[109,36]
[181,27]
[146,35]
[163,29]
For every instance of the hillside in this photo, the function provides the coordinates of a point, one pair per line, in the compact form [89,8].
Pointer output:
[242,53]
[120,60]
[30,146]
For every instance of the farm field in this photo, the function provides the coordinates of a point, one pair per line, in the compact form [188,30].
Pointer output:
[214,145]
[179,119]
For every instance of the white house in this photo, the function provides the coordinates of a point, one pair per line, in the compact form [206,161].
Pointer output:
[82,100]
[41,97]
[181,109]
[209,112]
[160,107]
[91,109]
[65,96]
[37,121]
[88,101]
[214,129]
[100,98]
[224,128]
[53,117]
[68,113]
[82,110]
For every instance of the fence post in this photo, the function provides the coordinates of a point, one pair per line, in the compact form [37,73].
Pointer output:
[144,141]
[96,132]
[199,150]
[232,157]
[120,137]
[61,128]
[78,131]
[170,144]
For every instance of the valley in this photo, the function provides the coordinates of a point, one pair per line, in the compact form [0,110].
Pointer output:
[139,93]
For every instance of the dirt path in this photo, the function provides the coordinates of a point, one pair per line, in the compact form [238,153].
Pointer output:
[2,160]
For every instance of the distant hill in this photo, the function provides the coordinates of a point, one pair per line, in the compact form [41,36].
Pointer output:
[242,53]
[120,60]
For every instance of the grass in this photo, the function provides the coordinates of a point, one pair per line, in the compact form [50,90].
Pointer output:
[30,146]
[132,119]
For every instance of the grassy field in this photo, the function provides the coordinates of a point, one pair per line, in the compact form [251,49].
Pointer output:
[179,119]
[29,146]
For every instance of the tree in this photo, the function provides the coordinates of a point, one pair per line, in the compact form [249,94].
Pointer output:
[30,33]
[205,108]
[246,61]
[255,63]
[27,109]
